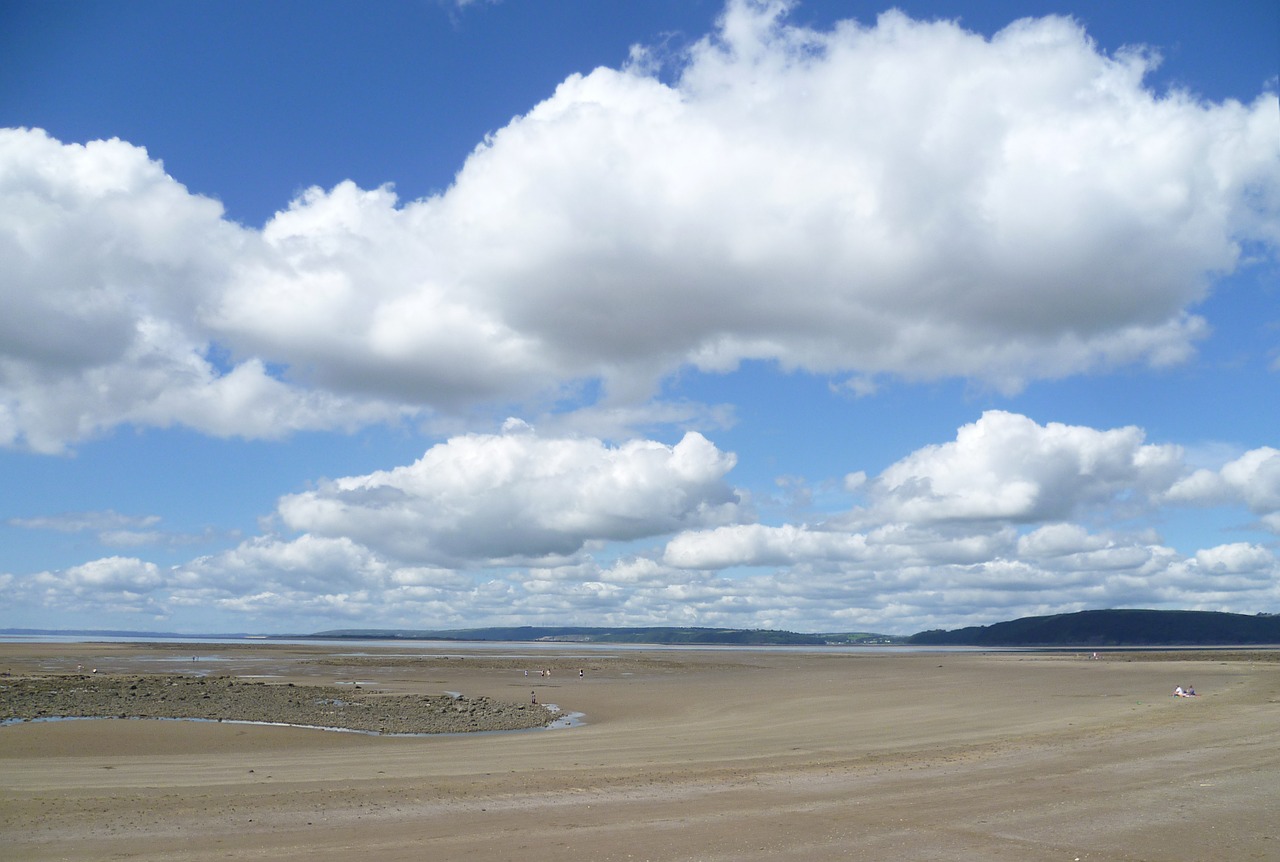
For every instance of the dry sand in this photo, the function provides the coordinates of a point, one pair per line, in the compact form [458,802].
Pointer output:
[684,755]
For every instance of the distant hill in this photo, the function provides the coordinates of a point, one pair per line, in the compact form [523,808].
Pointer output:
[551,634]
[589,634]
[1115,628]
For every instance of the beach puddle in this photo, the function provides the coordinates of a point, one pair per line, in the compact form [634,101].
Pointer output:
[571,719]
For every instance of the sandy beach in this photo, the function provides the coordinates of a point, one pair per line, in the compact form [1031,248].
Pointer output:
[682,755]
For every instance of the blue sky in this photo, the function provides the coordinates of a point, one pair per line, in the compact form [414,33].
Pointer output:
[812,316]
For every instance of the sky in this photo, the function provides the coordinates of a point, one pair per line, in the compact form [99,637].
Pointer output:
[817,316]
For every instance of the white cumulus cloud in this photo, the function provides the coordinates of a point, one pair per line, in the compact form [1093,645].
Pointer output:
[107,262]
[1253,480]
[904,198]
[1237,558]
[493,498]
[1006,466]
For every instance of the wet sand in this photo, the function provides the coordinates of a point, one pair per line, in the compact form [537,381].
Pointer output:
[684,755]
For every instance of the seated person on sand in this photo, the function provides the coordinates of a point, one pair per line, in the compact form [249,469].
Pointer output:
[1178,692]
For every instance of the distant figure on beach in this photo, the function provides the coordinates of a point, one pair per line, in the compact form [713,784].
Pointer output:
[581,673]
[1178,692]
[1095,656]
[1191,691]
[533,698]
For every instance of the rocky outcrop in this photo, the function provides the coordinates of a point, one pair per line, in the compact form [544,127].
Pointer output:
[227,698]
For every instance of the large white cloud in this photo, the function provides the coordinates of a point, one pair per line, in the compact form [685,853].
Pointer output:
[1007,467]
[107,261]
[906,198]
[496,498]
[96,238]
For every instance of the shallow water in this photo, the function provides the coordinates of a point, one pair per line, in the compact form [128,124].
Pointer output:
[569,720]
